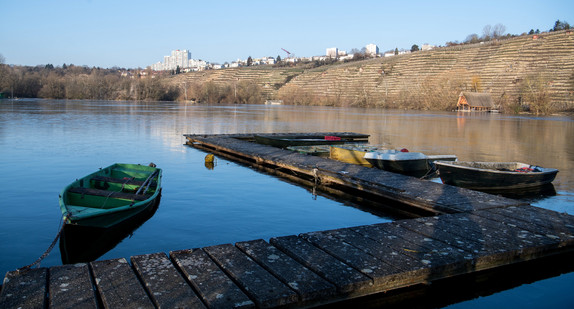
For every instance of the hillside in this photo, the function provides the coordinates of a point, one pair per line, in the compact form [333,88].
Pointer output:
[516,71]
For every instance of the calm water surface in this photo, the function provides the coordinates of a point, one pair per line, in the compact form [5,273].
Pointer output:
[46,144]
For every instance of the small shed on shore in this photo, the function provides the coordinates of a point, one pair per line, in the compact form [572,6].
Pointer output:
[474,101]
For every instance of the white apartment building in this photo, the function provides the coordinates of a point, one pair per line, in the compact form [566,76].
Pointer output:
[197,65]
[181,58]
[332,52]
[158,66]
[372,50]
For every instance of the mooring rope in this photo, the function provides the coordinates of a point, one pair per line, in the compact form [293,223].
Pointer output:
[431,171]
[47,252]
[316,175]
[429,174]
[53,244]
[317,181]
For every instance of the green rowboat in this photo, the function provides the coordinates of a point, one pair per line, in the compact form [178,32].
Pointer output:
[111,195]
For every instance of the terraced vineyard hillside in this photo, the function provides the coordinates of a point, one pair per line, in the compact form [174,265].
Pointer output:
[510,69]
[269,79]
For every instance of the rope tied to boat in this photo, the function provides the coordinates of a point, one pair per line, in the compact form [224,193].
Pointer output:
[126,180]
[431,173]
[47,252]
[317,181]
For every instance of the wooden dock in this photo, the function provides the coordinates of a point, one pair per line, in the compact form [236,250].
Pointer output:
[468,232]
[408,194]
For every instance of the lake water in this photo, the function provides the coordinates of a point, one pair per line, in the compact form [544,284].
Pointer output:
[46,144]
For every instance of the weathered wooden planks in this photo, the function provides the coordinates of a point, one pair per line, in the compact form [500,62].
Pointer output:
[118,285]
[71,287]
[491,243]
[266,290]
[308,285]
[24,290]
[435,258]
[540,220]
[215,288]
[302,270]
[384,275]
[344,277]
[166,287]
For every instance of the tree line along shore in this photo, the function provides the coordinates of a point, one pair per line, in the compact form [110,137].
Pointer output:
[532,73]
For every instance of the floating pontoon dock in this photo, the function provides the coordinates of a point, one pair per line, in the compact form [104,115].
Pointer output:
[464,232]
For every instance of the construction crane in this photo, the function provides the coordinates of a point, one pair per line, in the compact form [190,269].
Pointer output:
[288,53]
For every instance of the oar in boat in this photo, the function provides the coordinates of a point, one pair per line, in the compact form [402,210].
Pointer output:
[148,180]
[146,183]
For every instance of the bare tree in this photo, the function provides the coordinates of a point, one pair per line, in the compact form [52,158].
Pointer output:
[498,30]
[472,38]
[486,31]
[489,32]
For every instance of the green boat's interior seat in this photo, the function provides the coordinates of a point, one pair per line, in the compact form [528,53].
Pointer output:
[100,180]
[110,194]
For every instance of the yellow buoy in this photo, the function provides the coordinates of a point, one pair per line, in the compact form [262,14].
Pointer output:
[210,158]
[210,161]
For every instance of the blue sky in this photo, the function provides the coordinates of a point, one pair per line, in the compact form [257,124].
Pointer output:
[133,34]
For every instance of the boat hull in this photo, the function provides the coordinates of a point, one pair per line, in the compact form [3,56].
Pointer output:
[406,167]
[410,163]
[351,154]
[111,195]
[489,176]
[284,141]
[112,218]
[84,244]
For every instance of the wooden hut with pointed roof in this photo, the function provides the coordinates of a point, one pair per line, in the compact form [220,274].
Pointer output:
[474,101]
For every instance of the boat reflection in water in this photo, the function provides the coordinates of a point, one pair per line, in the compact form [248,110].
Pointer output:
[82,244]
[530,195]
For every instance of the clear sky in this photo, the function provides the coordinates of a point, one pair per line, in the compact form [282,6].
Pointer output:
[138,33]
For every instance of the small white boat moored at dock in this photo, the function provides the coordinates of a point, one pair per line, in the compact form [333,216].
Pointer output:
[405,162]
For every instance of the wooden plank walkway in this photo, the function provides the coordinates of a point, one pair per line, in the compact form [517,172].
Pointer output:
[471,232]
[431,197]
[303,270]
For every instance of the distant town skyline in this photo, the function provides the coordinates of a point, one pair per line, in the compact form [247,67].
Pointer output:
[132,34]
[180,59]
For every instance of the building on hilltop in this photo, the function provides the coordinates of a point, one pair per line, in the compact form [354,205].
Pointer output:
[197,65]
[346,57]
[181,59]
[158,66]
[372,50]
[332,52]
